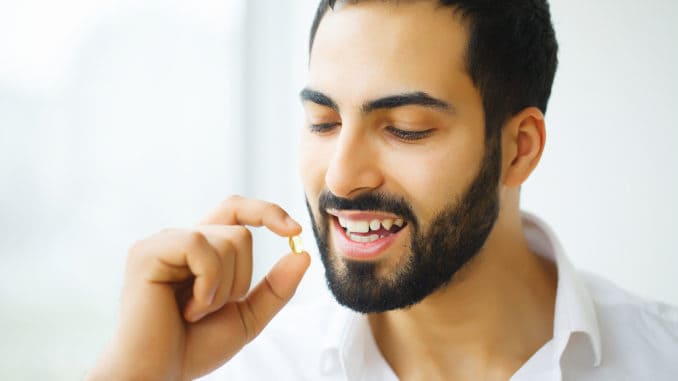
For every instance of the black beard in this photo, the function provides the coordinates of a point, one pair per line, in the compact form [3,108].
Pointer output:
[455,235]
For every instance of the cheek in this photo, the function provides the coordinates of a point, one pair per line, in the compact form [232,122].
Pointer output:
[313,159]
[431,179]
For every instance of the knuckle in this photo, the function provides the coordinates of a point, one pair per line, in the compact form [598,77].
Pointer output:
[243,234]
[274,292]
[250,322]
[167,231]
[275,207]
[195,239]
[140,246]
[227,247]
[138,256]
[232,199]
[136,248]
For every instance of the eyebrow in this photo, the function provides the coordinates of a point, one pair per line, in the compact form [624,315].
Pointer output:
[317,97]
[418,98]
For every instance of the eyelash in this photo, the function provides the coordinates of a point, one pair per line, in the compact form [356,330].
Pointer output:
[409,136]
[398,133]
[321,128]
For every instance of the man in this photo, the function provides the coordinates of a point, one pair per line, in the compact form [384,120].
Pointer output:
[423,120]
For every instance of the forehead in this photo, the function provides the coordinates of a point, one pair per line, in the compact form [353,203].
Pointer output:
[371,48]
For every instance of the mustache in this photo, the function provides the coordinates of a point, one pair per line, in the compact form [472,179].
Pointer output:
[373,201]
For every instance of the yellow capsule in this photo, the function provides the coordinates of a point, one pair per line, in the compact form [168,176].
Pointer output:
[296,245]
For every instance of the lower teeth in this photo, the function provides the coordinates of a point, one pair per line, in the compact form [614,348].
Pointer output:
[362,238]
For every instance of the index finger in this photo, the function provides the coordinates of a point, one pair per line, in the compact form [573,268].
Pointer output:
[237,210]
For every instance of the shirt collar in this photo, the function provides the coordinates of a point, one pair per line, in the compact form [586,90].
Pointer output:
[349,341]
[575,311]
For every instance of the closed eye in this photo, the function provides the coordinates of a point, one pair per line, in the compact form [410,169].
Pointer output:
[409,135]
[322,127]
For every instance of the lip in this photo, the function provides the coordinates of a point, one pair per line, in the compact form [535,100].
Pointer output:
[361,251]
[362,215]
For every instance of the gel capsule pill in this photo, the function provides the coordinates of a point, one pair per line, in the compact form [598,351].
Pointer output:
[296,245]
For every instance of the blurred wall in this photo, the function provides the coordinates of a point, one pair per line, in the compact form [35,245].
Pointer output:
[119,118]
[607,181]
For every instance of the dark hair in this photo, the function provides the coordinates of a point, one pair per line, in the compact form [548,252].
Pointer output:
[511,55]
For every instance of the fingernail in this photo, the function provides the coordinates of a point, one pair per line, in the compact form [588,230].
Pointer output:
[291,223]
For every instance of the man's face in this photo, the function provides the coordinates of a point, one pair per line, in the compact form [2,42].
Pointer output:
[400,185]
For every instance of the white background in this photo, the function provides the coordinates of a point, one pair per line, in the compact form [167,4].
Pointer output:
[119,118]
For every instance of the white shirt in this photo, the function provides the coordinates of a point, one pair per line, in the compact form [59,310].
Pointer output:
[600,332]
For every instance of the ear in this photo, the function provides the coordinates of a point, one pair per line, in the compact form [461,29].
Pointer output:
[523,139]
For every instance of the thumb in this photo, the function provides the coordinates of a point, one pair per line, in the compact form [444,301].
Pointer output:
[274,291]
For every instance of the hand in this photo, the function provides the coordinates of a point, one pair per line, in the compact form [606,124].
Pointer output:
[187,306]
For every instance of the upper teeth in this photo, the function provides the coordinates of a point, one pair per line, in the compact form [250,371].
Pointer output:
[364,226]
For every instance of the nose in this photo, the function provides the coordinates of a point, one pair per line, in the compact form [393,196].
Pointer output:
[354,166]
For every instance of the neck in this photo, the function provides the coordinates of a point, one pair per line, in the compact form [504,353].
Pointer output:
[488,321]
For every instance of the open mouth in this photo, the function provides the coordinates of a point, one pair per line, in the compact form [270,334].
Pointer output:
[370,230]
[365,235]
